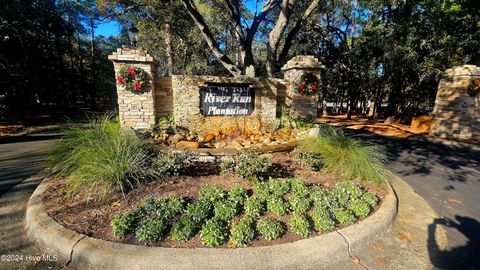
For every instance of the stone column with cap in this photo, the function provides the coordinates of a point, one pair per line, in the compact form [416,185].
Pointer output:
[301,106]
[136,110]
[456,115]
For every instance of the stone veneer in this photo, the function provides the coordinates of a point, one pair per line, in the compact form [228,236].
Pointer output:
[457,115]
[186,105]
[136,110]
[301,106]
[180,96]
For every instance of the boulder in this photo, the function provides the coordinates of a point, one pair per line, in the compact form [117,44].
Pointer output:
[209,138]
[314,132]
[176,138]
[188,145]
[220,144]
[421,124]
[389,120]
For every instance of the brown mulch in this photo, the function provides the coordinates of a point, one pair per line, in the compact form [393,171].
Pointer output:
[94,219]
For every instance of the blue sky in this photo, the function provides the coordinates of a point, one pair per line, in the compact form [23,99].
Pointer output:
[108,29]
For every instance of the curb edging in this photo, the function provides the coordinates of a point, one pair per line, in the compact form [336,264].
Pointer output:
[85,252]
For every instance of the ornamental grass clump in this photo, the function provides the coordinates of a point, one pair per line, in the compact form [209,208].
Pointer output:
[100,158]
[346,156]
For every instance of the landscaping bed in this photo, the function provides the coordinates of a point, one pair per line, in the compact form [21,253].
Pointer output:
[95,219]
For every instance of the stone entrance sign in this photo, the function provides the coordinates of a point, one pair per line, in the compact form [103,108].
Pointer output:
[227,100]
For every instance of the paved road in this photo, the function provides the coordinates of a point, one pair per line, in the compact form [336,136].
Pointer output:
[447,177]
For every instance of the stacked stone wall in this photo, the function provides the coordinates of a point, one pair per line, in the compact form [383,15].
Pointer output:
[457,115]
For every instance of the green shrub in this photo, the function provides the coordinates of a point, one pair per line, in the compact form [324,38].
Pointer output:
[249,166]
[309,160]
[242,232]
[370,199]
[270,229]
[151,230]
[211,194]
[254,207]
[170,207]
[348,157]
[298,186]
[123,224]
[288,121]
[340,197]
[360,208]
[343,216]
[184,229]
[322,220]
[277,205]
[238,194]
[320,198]
[214,233]
[353,190]
[278,187]
[173,162]
[299,203]
[261,190]
[100,158]
[199,211]
[226,209]
[299,224]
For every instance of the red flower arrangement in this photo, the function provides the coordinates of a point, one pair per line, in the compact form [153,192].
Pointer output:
[473,88]
[307,84]
[132,78]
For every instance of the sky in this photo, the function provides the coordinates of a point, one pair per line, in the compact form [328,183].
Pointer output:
[108,29]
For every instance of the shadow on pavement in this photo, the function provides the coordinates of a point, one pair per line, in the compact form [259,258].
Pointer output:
[463,257]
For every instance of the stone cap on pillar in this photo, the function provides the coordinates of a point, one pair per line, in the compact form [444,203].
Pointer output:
[303,62]
[465,70]
[126,54]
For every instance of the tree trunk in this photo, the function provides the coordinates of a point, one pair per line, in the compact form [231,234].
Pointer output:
[169,48]
[92,92]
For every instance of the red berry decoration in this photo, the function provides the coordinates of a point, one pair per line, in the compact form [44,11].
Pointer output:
[132,78]
[473,88]
[307,84]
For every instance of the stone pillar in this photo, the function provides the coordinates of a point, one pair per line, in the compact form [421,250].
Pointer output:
[301,106]
[136,110]
[456,115]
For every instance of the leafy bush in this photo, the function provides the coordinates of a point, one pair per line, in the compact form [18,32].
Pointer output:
[242,232]
[299,224]
[184,229]
[151,230]
[298,186]
[370,199]
[123,224]
[278,187]
[261,190]
[249,166]
[299,203]
[343,216]
[100,158]
[199,211]
[254,207]
[353,190]
[226,209]
[211,194]
[320,198]
[277,205]
[238,194]
[348,157]
[309,160]
[214,233]
[322,220]
[288,121]
[270,229]
[173,162]
[360,208]
[170,207]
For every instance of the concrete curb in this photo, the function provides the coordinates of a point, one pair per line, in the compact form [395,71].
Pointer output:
[86,252]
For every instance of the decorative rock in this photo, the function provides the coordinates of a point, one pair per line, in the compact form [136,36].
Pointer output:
[267,141]
[220,144]
[188,145]
[421,124]
[176,138]
[201,138]
[209,138]
[235,145]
